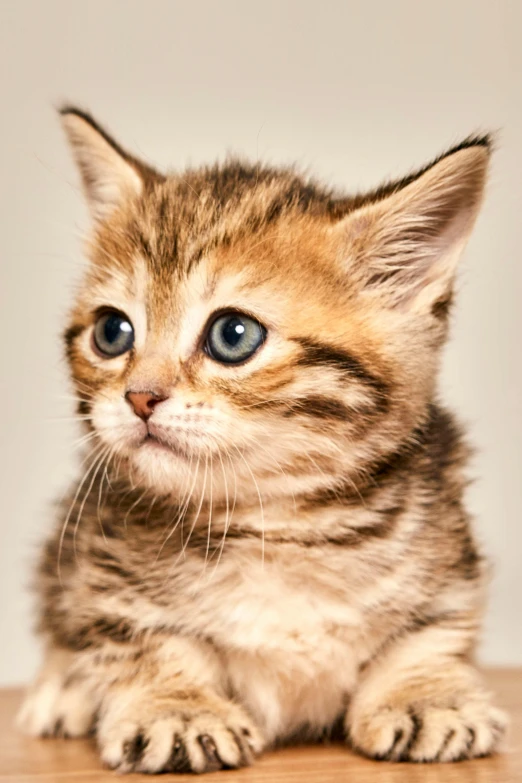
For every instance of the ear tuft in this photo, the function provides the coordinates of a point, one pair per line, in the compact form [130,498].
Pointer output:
[404,239]
[110,175]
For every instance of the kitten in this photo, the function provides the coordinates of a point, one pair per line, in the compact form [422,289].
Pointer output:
[268,539]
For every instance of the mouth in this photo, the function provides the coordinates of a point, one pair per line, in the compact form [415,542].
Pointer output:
[152,441]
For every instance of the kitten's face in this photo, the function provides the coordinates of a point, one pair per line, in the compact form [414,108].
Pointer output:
[240,334]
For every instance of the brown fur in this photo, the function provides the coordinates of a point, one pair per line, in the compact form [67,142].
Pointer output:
[296,555]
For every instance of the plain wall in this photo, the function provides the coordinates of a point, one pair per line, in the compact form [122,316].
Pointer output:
[355,91]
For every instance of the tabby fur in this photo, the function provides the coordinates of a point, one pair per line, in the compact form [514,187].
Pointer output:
[294,559]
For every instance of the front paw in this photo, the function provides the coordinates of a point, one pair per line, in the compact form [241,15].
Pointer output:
[423,731]
[176,735]
[58,706]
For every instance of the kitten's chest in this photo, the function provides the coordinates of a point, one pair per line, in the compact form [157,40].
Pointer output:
[273,607]
[292,642]
[294,600]
[289,631]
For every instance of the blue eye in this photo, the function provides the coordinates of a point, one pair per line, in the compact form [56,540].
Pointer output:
[233,338]
[113,334]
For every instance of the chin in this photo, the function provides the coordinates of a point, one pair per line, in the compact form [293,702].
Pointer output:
[162,470]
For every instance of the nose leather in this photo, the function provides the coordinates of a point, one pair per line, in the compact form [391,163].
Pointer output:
[143,403]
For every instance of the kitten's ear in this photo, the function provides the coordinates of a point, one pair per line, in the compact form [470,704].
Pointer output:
[405,239]
[109,174]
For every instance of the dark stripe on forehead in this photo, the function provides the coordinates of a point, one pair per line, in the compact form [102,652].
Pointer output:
[321,354]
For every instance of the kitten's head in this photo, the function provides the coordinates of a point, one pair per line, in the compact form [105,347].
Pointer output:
[243,330]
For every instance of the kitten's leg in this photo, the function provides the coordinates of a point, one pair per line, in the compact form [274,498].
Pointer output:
[167,711]
[62,701]
[159,707]
[421,701]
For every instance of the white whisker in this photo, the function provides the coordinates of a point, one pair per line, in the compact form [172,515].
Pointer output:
[96,454]
[228,517]
[99,462]
[260,507]
[196,517]
[182,508]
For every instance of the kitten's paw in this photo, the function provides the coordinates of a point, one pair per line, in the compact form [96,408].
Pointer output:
[423,732]
[58,707]
[178,737]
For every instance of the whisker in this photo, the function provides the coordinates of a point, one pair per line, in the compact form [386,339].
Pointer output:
[106,471]
[260,507]
[79,417]
[75,398]
[264,402]
[209,514]
[96,454]
[277,464]
[182,508]
[99,463]
[84,439]
[98,509]
[152,503]
[86,389]
[132,507]
[228,517]
[196,517]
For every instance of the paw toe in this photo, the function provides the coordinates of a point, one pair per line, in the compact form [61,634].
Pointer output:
[53,710]
[212,745]
[427,733]
[178,760]
[180,742]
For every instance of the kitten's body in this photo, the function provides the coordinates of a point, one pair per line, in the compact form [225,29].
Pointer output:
[302,560]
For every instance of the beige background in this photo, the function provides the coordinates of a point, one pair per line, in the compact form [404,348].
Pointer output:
[354,90]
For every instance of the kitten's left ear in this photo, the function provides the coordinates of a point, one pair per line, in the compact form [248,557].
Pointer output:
[404,240]
[110,175]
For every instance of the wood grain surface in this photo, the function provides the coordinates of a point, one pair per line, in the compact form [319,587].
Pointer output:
[24,760]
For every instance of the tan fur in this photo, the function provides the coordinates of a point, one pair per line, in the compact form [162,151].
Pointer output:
[295,557]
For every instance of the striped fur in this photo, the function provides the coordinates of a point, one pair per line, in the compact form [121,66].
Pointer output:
[291,553]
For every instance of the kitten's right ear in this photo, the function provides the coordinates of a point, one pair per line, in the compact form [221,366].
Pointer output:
[110,176]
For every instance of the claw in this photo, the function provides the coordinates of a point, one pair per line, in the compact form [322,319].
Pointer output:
[211,752]
[134,749]
[179,760]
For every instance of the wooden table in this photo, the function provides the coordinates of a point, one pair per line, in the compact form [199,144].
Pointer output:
[24,760]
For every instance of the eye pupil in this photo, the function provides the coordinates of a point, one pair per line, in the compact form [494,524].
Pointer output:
[233,331]
[113,328]
[233,338]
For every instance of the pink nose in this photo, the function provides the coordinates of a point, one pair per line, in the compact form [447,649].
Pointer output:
[143,403]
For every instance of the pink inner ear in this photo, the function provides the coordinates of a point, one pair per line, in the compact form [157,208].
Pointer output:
[358,227]
[406,245]
[109,174]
